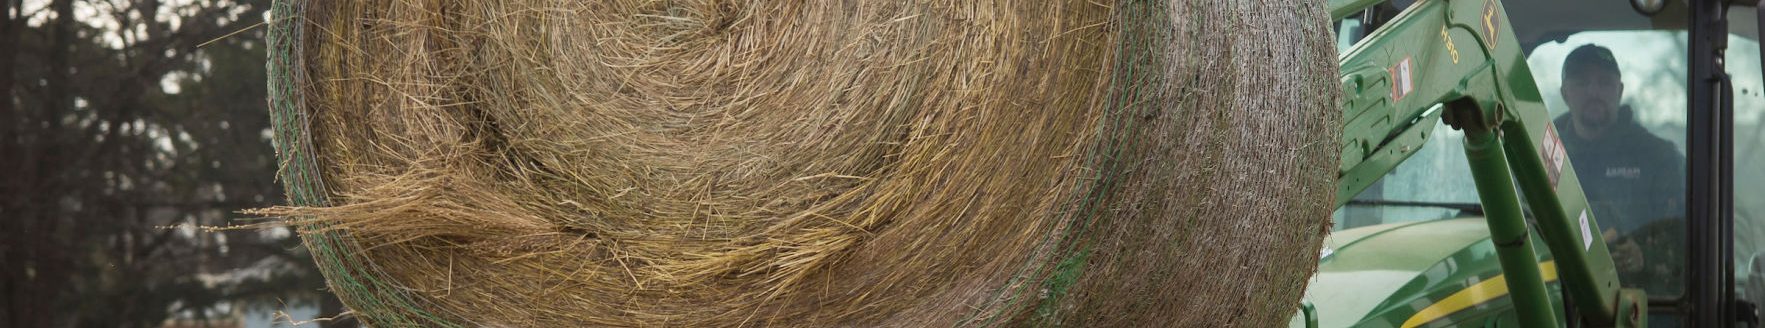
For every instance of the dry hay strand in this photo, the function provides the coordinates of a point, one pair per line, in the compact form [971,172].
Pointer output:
[786,163]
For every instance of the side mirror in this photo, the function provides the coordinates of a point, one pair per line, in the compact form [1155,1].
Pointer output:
[1648,7]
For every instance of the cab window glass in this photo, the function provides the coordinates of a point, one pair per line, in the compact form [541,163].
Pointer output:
[1432,184]
[1742,61]
[1617,99]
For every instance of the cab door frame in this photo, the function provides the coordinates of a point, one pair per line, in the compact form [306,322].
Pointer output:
[1710,298]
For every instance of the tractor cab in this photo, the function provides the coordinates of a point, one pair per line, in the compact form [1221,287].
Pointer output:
[1660,108]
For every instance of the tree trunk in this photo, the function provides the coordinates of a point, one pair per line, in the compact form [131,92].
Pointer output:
[45,256]
[11,190]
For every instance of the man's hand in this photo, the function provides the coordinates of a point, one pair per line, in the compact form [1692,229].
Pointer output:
[1626,254]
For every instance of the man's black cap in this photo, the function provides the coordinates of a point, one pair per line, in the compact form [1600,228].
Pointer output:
[1589,57]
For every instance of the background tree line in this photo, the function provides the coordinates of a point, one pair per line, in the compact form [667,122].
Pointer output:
[125,125]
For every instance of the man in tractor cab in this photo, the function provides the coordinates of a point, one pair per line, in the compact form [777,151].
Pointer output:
[1634,180]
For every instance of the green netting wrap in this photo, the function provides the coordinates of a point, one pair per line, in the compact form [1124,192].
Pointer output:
[352,278]
[769,163]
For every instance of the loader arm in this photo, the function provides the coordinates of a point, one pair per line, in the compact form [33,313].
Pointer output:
[1457,61]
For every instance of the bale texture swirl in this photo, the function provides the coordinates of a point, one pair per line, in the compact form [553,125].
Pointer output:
[708,163]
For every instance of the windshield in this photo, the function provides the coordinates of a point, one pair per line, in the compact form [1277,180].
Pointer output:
[1436,174]
[1749,154]
[1630,155]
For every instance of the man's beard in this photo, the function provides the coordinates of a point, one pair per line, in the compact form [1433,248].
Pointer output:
[1597,117]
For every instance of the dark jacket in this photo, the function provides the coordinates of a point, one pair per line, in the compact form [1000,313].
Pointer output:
[1631,177]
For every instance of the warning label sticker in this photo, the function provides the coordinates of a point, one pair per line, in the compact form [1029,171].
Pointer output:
[1551,150]
[1401,83]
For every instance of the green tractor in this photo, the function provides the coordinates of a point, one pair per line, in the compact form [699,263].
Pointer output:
[1546,163]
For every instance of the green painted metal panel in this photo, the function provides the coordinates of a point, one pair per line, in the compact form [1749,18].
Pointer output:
[1383,275]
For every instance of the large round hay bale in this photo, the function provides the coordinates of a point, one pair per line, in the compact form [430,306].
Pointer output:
[806,163]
